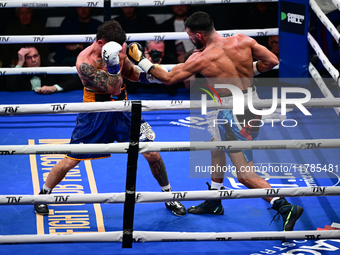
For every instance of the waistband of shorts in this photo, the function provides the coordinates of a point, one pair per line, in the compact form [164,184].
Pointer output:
[97,96]
[245,91]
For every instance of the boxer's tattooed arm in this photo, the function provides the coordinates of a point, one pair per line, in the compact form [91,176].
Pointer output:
[159,172]
[130,71]
[100,78]
[130,68]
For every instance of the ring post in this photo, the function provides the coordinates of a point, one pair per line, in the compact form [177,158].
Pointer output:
[293,30]
[129,205]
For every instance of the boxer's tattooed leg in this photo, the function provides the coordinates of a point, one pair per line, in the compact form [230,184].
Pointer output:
[159,172]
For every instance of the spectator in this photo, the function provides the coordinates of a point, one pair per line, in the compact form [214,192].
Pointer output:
[262,15]
[25,25]
[273,42]
[156,52]
[132,21]
[42,83]
[177,48]
[2,83]
[81,23]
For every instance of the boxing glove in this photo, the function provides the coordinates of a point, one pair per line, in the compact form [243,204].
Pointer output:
[110,54]
[135,53]
[148,78]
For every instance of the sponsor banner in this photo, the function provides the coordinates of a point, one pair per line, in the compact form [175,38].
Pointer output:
[293,28]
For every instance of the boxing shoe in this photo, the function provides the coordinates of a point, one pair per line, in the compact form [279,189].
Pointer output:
[41,209]
[208,206]
[175,206]
[290,213]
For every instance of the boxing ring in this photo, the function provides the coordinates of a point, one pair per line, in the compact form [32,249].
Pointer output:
[46,127]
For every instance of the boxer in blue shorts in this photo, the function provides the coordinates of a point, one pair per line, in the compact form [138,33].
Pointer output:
[101,68]
[223,58]
[244,127]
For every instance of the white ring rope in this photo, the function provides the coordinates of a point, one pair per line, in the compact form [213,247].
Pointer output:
[100,148]
[336,3]
[323,58]
[58,70]
[39,70]
[114,3]
[144,197]
[50,3]
[154,197]
[157,236]
[48,70]
[324,19]
[146,236]
[89,38]
[151,105]
[322,86]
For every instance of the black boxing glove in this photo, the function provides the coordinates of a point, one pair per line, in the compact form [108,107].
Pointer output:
[135,53]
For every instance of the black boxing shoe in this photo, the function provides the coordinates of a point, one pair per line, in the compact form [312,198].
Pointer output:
[176,208]
[290,213]
[208,206]
[41,209]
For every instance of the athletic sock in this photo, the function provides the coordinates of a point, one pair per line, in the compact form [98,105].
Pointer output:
[216,185]
[273,200]
[45,190]
[166,188]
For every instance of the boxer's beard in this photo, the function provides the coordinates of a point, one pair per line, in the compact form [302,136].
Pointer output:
[198,45]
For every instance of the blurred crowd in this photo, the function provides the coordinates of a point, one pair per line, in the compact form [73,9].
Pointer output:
[85,20]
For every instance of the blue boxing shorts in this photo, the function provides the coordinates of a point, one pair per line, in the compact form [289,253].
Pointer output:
[237,127]
[105,127]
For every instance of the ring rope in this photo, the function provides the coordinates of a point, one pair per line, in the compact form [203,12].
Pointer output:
[89,38]
[100,148]
[39,70]
[336,3]
[114,3]
[322,86]
[59,70]
[149,105]
[158,236]
[323,58]
[171,236]
[50,3]
[153,197]
[324,19]
[49,70]
[143,236]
